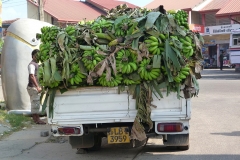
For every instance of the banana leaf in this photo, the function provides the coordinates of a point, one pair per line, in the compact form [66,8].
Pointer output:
[57,76]
[139,19]
[53,66]
[157,61]
[44,105]
[172,56]
[176,43]
[171,21]
[181,31]
[135,43]
[132,88]
[196,85]
[181,60]
[178,91]
[164,22]
[156,88]
[151,18]
[119,19]
[52,94]
[154,32]
[134,76]
[46,73]
[137,35]
[163,85]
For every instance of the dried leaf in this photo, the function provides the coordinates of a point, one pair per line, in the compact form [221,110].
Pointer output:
[89,79]
[102,69]
[87,37]
[61,39]
[112,61]
[108,73]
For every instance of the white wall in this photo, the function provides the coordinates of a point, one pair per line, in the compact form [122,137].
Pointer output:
[32,12]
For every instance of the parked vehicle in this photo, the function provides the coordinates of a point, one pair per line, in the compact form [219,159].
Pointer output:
[234,48]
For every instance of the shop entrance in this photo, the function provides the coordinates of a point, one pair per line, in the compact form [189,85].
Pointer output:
[212,50]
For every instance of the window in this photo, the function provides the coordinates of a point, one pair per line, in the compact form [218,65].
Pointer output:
[236,39]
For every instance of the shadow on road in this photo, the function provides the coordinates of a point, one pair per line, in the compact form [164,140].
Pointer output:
[225,74]
[189,157]
[235,133]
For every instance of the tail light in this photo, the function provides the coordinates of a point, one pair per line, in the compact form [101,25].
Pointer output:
[69,130]
[170,127]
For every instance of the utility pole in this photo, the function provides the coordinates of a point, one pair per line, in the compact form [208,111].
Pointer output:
[40,10]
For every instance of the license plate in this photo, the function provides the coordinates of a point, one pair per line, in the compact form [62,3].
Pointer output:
[118,135]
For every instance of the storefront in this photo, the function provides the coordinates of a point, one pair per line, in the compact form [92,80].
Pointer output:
[217,39]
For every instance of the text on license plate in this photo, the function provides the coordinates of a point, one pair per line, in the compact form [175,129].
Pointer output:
[118,135]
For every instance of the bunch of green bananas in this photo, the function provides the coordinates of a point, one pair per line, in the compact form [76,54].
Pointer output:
[129,81]
[83,22]
[44,51]
[126,61]
[99,25]
[49,34]
[182,18]
[70,30]
[91,58]
[40,75]
[184,72]
[54,84]
[187,46]
[147,72]
[154,47]
[113,82]
[122,28]
[76,75]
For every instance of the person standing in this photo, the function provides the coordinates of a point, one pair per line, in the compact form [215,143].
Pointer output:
[33,88]
[221,60]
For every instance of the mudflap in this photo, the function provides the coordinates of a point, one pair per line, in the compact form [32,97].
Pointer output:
[176,140]
[84,141]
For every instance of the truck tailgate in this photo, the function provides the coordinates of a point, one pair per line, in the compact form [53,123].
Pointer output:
[104,105]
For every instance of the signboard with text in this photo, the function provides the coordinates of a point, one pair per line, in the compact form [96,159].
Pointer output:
[196,28]
[221,29]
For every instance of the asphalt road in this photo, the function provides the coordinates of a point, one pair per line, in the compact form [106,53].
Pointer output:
[214,130]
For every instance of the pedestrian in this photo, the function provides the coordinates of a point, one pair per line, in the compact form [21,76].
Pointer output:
[221,60]
[34,88]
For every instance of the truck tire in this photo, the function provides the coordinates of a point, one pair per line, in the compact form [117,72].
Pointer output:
[97,143]
[181,141]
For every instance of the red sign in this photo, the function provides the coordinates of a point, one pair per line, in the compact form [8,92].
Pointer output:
[196,28]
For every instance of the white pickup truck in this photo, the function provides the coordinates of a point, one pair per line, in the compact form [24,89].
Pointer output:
[87,114]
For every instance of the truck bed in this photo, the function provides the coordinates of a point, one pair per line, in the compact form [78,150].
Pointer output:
[90,105]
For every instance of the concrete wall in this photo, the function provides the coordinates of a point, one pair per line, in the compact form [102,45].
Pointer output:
[32,12]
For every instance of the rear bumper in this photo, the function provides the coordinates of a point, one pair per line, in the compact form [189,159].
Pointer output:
[105,127]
